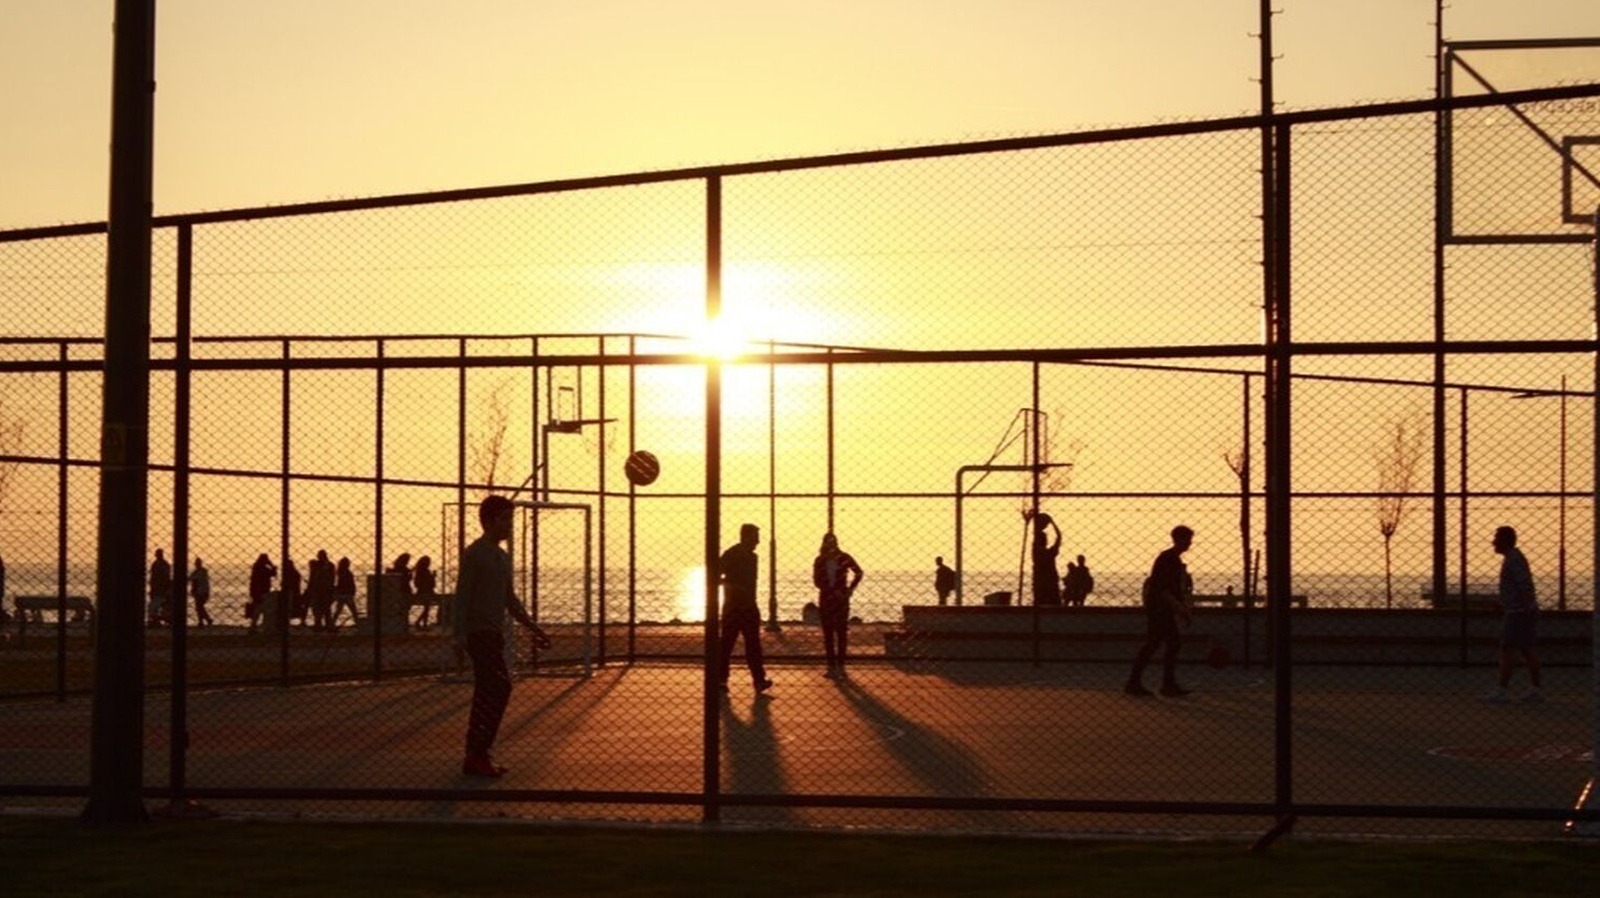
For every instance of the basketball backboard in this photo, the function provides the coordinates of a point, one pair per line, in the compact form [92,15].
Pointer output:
[1527,173]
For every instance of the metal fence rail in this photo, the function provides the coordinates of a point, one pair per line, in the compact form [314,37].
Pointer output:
[1094,327]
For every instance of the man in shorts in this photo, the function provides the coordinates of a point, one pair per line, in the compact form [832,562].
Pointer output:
[1519,623]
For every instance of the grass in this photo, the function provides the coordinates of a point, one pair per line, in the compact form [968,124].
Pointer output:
[45,856]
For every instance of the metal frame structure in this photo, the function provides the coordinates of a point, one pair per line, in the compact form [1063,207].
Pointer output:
[1276,354]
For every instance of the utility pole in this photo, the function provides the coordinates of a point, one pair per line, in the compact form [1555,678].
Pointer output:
[116,770]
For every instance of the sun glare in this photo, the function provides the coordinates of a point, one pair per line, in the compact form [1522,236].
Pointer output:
[691,601]
[721,338]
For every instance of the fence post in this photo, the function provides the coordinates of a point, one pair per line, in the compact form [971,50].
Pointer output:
[178,729]
[711,811]
[375,596]
[283,603]
[1279,456]
[61,524]
[116,769]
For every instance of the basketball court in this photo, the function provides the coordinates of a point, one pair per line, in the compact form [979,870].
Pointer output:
[917,734]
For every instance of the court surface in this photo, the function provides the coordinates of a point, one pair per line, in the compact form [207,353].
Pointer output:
[1383,736]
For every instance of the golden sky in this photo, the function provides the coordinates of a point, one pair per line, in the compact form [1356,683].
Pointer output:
[303,99]
[1150,244]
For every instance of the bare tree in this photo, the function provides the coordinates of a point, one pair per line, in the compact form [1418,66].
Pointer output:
[487,441]
[1399,452]
[1060,452]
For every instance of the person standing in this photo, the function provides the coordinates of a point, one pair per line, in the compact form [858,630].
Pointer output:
[400,571]
[319,590]
[290,603]
[1519,618]
[200,590]
[427,584]
[261,576]
[344,593]
[944,579]
[1078,583]
[1046,576]
[160,589]
[836,576]
[485,596]
[1166,597]
[741,615]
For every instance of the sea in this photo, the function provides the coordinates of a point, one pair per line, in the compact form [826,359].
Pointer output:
[661,595]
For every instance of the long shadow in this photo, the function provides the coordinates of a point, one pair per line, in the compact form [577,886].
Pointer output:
[752,764]
[943,765]
[513,726]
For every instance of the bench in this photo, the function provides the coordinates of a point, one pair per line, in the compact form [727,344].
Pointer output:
[1451,601]
[1233,600]
[33,608]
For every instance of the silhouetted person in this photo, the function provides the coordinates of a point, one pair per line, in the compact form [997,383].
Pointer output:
[944,579]
[1519,618]
[344,592]
[486,597]
[426,583]
[401,572]
[1046,578]
[5,616]
[319,590]
[1166,597]
[160,589]
[200,590]
[1078,583]
[741,616]
[261,576]
[836,576]
[290,603]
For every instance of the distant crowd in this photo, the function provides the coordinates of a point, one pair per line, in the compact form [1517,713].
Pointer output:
[322,595]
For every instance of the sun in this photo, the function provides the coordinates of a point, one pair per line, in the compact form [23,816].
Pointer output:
[723,337]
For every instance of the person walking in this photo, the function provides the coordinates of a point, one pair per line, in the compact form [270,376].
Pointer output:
[944,579]
[1519,606]
[344,593]
[741,615]
[836,575]
[200,590]
[319,590]
[485,595]
[1166,606]
[261,576]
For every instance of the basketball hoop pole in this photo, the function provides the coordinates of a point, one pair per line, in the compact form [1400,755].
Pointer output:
[1586,798]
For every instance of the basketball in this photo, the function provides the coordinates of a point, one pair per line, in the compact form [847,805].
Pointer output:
[641,468]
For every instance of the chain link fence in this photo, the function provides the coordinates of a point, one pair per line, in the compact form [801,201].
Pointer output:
[939,348]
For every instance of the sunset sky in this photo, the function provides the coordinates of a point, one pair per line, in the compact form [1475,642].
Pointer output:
[298,100]
[1145,243]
